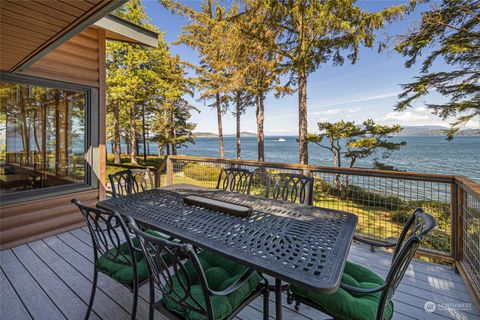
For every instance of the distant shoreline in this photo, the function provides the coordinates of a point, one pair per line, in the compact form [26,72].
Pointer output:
[408,131]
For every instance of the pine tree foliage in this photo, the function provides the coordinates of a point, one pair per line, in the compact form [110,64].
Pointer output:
[449,32]
[146,89]
[353,142]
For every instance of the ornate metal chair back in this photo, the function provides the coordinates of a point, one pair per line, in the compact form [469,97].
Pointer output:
[235,179]
[417,227]
[290,187]
[108,231]
[130,181]
[143,180]
[170,266]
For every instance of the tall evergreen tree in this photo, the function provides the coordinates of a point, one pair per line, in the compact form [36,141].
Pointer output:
[206,33]
[145,90]
[315,32]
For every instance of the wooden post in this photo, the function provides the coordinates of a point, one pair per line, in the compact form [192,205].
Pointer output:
[157,177]
[102,122]
[460,206]
[169,171]
[453,220]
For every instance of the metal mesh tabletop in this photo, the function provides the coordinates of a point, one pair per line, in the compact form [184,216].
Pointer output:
[296,243]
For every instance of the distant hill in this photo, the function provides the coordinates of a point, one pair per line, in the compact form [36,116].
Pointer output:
[211,134]
[247,134]
[205,135]
[426,131]
[408,131]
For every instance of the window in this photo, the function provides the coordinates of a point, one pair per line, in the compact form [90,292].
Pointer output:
[43,137]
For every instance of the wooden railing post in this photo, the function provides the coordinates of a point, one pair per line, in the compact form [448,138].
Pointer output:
[169,171]
[460,206]
[454,220]
[157,177]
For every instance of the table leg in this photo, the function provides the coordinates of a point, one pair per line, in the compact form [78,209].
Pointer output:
[278,299]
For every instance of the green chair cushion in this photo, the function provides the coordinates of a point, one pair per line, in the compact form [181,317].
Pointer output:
[345,305]
[220,273]
[112,265]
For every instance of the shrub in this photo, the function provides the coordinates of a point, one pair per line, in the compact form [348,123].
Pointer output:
[200,172]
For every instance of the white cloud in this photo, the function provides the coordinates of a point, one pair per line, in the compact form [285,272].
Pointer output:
[331,111]
[473,124]
[420,109]
[360,99]
[406,116]
[312,111]
[354,110]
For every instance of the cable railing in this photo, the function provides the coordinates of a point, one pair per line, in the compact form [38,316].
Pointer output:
[467,252]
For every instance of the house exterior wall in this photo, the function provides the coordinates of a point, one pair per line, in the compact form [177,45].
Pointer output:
[80,61]
[76,61]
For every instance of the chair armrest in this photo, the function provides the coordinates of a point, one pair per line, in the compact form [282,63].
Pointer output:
[373,242]
[360,291]
[234,286]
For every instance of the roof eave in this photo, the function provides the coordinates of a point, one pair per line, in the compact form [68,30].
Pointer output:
[122,30]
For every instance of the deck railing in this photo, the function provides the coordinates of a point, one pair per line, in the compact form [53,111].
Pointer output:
[382,200]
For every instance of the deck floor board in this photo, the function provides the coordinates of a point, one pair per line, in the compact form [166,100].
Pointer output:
[51,279]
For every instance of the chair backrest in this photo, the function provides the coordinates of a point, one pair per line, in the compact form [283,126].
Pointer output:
[143,180]
[235,179]
[174,267]
[290,187]
[417,227]
[108,231]
[130,181]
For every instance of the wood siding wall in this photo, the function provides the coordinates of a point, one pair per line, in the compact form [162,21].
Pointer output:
[81,61]
[31,220]
[75,61]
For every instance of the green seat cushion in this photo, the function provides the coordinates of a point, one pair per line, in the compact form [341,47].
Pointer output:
[345,305]
[112,265]
[220,274]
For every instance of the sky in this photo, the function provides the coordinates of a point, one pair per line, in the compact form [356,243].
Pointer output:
[368,89]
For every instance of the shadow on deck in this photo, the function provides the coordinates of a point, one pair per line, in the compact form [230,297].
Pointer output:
[50,279]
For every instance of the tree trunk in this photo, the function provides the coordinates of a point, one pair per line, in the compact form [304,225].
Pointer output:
[238,110]
[116,135]
[302,116]
[144,133]
[260,115]
[160,150]
[220,127]
[24,126]
[133,135]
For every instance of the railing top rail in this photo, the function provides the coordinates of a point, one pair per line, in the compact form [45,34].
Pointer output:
[469,185]
[131,166]
[431,177]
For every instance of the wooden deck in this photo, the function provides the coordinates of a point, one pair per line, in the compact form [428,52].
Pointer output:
[50,279]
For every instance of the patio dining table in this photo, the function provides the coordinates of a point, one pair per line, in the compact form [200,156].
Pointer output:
[294,243]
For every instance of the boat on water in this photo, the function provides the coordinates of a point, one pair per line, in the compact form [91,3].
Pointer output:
[281,140]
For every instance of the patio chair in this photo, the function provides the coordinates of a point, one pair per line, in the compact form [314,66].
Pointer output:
[235,179]
[197,285]
[130,181]
[290,187]
[115,253]
[363,295]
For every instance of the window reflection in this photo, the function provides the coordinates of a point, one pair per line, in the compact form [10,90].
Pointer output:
[42,137]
